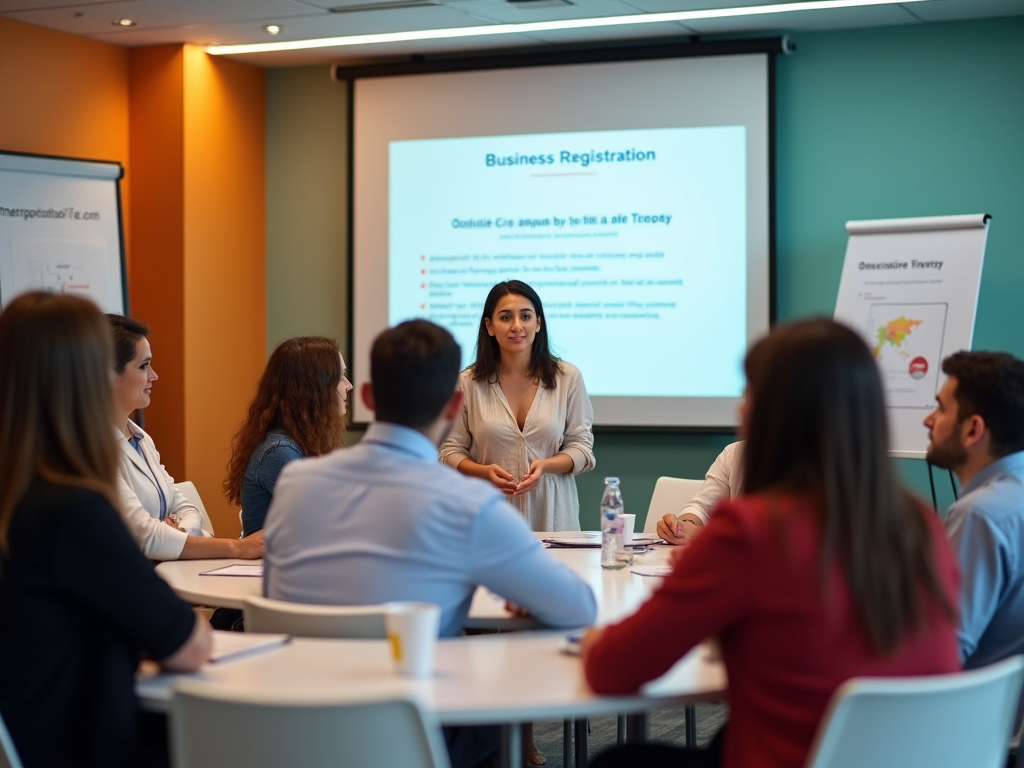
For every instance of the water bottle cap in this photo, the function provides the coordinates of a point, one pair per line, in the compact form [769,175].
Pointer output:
[611,480]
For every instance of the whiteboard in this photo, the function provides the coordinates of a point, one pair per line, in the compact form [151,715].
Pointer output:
[910,287]
[60,229]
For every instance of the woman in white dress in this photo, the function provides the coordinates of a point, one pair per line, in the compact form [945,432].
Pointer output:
[526,423]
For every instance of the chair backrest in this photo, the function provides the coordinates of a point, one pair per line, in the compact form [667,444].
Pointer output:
[191,494]
[8,754]
[358,621]
[670,495]
[941,721]
[213,727]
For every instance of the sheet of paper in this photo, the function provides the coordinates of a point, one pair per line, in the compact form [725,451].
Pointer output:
[573,543]
[236,570]
[652,570]
[230,645]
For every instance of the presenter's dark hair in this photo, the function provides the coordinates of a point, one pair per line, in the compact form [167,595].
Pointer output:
[298,395]
[413,370]
[126,334]
[817,427]
[56,405]
[991,385]
[543,365]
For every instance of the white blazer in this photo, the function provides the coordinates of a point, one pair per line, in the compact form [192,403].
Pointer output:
[138,478]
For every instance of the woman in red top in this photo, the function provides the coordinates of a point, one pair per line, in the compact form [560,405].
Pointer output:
[824,569]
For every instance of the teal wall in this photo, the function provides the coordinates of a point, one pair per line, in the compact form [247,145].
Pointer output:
[916,120]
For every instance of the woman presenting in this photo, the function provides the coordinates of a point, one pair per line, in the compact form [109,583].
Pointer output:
[162,521]
[526,422]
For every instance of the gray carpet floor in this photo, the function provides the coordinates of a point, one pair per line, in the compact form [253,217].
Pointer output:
[663,725]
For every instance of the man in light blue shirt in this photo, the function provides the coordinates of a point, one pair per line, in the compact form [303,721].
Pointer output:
[977,431]
[384,520]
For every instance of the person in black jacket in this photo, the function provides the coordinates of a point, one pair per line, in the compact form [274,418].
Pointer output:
[80,603]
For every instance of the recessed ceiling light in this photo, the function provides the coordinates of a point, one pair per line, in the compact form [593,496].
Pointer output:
[124,23]
[548,26]
[273,29]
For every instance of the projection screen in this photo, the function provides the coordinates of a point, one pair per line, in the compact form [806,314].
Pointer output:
[633,196]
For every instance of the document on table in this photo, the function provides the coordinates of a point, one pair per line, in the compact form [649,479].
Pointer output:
[651,570]
[574,543]
[230,645]
[235,570]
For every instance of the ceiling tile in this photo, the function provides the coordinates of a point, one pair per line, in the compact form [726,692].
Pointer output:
[948,10]
[297,27]
[510,13]
[839,18]
[629,32]
[156,14]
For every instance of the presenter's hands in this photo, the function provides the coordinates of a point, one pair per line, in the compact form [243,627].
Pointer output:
[500,479]
[532,478]
[679,530]
[249,548]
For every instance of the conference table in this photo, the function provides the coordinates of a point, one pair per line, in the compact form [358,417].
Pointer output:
[618,592]
[509,678]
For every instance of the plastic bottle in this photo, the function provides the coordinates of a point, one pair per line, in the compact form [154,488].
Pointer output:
[613,553]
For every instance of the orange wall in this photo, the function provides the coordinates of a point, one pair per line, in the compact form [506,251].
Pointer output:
[225,263]
[189,129]
[157,286]
[64,95]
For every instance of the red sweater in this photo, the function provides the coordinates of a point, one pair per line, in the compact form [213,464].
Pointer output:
[785,649]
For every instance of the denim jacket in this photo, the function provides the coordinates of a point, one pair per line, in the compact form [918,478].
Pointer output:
[265,464]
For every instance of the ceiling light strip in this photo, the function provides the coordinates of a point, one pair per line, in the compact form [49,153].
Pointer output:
[547,26]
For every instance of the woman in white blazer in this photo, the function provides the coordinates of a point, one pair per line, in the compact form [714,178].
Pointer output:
[164,524]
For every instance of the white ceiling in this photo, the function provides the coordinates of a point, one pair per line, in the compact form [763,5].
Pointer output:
[241,21]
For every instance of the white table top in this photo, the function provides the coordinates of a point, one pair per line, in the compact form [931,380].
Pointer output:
[477,680]
[618,593]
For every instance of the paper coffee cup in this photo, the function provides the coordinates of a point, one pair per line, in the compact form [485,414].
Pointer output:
[412,631]
[628,526]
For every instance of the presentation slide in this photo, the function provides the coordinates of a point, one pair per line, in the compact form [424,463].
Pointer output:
[633,196]
[634,239]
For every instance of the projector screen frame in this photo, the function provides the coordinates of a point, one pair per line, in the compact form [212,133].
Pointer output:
[684,47]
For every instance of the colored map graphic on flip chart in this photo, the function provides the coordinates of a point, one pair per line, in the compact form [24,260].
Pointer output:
[908,348]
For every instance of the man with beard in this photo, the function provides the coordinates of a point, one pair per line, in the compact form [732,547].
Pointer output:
[977,431]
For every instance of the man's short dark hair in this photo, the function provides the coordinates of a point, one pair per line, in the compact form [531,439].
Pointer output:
[413,369]
[991,385]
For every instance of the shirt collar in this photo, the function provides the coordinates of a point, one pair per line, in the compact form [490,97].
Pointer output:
[1012,463]
[134,428]
[401,438]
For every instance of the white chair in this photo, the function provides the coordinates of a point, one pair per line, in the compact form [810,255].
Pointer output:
[8,754]
[941,721]
[191,494]
[212,727]
[356,621]
[670,495]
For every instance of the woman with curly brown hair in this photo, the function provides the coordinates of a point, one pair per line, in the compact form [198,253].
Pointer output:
[298,411]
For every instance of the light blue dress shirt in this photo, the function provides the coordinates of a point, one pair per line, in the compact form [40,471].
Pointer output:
[986,528]
[384,520]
